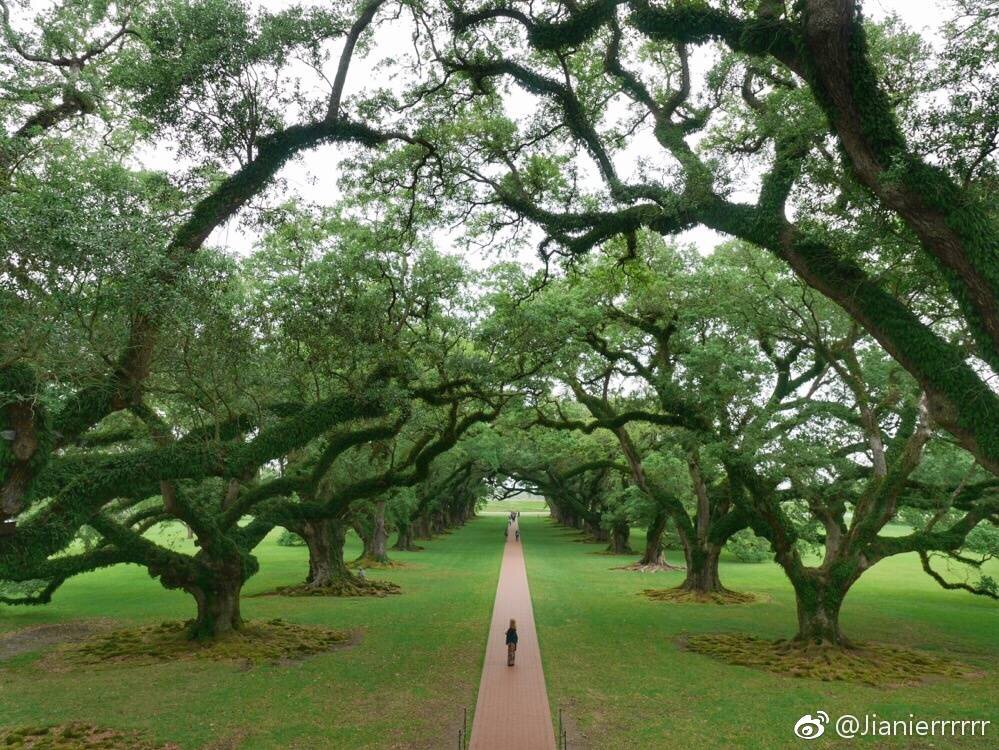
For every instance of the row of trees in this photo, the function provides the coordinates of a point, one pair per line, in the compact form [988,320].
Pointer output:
[149,377]
[713,396]
[822,375]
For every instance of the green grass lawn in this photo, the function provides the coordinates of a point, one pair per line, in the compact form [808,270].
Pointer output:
[611,656]
[404,686]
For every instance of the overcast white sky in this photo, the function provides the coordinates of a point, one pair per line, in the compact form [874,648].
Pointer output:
[314,177]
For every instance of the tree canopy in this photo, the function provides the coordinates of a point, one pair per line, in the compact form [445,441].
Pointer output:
[824,373]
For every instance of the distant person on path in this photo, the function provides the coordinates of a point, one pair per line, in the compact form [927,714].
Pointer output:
[517,534]
[511,643]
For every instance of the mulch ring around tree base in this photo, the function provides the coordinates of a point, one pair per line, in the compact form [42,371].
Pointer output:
[76,735]
[341,588]
[651,568]
[271,641]
[868,663]
[682,596]
[612,553]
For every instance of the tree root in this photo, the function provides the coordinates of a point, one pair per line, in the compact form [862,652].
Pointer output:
[343,587]
[370,562]
[685,596]
[77,735]
[273,640]
[868,663]
[639,567]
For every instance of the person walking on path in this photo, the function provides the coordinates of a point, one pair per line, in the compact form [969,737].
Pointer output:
[511,643]
[512,710]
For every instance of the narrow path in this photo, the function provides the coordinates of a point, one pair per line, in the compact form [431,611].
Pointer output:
[512,711]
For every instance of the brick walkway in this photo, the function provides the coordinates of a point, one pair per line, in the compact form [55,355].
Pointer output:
[512,711]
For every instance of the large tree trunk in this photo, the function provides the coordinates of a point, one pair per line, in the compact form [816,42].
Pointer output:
[819,602]
[19,418]
[596,531]
[318,536]
[404,541]
[377,550]
[818,622]
[421,528]
[700,554]
[366,533]
[328,571]
[620,535]
[437,525]
[218,606]
[702,569]
[374,536]
[329,574]
[338,566]
[653,554]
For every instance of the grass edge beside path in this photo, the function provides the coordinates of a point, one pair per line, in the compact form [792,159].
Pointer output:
[613,659]
[403,686]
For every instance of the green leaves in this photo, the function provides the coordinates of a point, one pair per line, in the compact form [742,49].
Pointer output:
[218,75]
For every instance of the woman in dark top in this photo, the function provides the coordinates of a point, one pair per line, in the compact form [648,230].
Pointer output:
[511,643]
